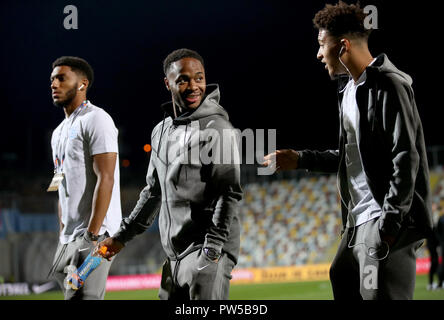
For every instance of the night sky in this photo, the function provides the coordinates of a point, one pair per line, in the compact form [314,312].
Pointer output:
[261,53]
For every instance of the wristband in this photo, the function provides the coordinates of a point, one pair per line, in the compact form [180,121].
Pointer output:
[91,236]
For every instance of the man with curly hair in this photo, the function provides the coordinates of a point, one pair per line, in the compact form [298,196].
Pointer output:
[381,163]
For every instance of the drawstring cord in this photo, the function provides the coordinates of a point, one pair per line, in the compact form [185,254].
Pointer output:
[161,133]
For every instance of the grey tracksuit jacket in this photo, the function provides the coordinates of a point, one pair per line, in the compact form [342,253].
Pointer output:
[392,150]
[195,195]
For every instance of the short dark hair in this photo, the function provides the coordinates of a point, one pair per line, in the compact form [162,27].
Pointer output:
[178,54]
[78,65]
[342,19]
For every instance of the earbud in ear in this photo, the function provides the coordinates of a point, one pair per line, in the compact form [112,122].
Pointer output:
[81,87]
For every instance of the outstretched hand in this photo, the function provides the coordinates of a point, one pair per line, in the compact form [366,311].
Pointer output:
[285,159]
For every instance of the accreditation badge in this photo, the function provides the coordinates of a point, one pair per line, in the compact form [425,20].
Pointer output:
[56,181]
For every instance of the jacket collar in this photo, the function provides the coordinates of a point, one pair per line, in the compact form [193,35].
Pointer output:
[212,91]
[209,106]
[371,70]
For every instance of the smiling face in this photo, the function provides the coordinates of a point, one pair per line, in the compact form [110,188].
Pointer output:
[186,81]
[328,53]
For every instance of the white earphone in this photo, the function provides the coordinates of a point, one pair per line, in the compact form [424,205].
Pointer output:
[81,87]
[340,60]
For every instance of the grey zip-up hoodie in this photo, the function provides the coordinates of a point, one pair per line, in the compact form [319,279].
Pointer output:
[196,195]
[392,150]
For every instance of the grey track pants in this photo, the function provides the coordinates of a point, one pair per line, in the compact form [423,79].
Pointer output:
[364,267]
[74,253]
[194,277]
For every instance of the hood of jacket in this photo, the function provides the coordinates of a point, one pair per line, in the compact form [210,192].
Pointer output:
[382,65]
[209,107]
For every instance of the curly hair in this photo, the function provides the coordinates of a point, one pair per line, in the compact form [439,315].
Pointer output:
[342,19]
[77,65]
[178,54]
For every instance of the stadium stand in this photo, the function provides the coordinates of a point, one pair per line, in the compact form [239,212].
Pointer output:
[285,221]
[289,222]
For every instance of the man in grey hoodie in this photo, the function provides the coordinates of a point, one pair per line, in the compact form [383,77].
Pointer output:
[193,180]
[381,163]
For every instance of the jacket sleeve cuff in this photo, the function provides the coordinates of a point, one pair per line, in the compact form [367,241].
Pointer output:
[214,244]
[123,235]
[118,236]
[303,162]
[389,226]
